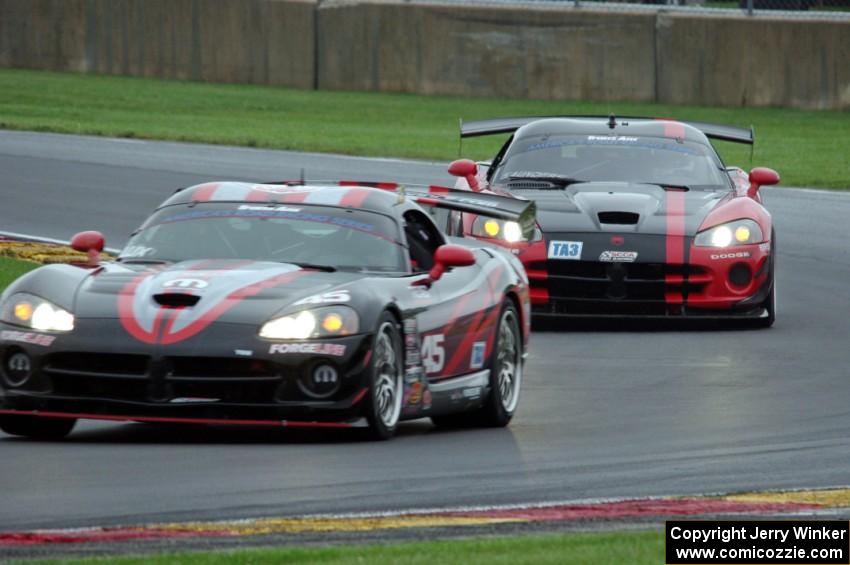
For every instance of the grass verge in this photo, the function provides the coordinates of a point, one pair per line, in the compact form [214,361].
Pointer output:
[599,549]
[809,148]
[10,269]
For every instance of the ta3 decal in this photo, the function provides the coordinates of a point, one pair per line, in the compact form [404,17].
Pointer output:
[565,250]
[333,296]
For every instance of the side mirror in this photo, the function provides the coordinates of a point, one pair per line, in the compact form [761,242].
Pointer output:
[91,243]
[761,176]
[467,169]
[446,257]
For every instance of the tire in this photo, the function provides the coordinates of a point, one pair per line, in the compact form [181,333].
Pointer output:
[769,303]
[36,427]
[506,366]
[386,380]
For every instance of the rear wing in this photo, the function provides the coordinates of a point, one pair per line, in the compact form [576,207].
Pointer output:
[510,125]
[522,211]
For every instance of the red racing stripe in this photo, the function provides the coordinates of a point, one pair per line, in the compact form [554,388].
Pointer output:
[675,239]
[205,192]
[354,198]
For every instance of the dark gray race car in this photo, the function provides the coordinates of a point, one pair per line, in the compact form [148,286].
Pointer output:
[274,305]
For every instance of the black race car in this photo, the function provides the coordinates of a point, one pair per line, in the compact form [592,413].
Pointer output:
[637,217]
[274,305]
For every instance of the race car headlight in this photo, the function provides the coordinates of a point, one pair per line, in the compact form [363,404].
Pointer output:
[497,229]
[739,232]
[331,321]
[36,313]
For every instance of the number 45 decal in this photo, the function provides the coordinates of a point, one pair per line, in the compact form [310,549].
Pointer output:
[433,353]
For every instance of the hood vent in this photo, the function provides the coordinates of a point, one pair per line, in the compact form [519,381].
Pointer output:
[176,300]
[531,185]
[621,218]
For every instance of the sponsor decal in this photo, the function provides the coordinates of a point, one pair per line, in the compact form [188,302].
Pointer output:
[764,247]
[421,293]
[433,353]
[426,400]
[412,356]
[733,255]
[192,400]
[414,394]
[565,250]
[477,359]
[618,256]
[243,352]
[332,349]
[28,337]
[472,392]
[20,363]
[413,375]
[196,284]
[611,138]
[334,296]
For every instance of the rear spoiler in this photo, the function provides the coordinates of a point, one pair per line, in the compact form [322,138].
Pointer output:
[510,125]
[522,211]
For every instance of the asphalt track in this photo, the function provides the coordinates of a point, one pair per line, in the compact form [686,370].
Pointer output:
[607,411]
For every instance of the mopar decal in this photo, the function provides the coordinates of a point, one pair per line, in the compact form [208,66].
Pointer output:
[335,296]
[565,250]
[28,337]
[333,349]
[618,256]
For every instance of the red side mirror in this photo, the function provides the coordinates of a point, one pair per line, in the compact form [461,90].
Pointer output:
[447,256]
[761,176]
[91,243]
[466,168]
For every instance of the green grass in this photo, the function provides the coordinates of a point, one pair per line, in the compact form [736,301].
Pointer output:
[809,148]
[10,269]
[596,549]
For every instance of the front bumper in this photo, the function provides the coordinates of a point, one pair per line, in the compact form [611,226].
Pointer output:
[225,375]
[709,283]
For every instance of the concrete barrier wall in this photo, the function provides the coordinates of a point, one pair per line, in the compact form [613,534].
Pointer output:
[253,41]
[535,52]
[550,52]
[753,61]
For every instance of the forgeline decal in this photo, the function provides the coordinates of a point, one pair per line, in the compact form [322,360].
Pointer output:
[433,353]
[332,349]
[618,256]
[28,337]
[334,296]
[243,352]
[734,255]
[565,250]
[477,359]
[152,323]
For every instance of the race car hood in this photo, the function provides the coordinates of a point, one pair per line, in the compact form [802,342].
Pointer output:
[620,207]
[199,292]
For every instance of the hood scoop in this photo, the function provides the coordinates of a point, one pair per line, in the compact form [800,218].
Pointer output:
[176,299]
[619,218]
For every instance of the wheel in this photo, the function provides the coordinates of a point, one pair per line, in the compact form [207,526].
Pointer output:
[386,383]
[769,303]
[36,427]
[506,366]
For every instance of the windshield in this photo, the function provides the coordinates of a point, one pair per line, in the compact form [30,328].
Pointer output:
[614,158]
[345,239]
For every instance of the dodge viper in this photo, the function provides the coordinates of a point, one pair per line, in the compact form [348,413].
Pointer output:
[636,217]
[275,305]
